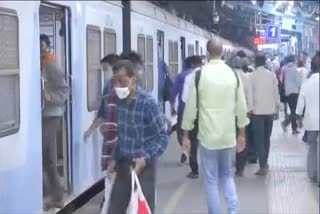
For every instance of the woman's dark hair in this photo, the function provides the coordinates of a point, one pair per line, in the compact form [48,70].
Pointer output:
[127,65]
[188,63]
[260,59]
[196,61]
[45,38]
[241,54]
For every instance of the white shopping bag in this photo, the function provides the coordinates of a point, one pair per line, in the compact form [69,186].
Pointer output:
[108,184]
[138,203]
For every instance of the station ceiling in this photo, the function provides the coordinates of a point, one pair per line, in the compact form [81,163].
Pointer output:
[237,18]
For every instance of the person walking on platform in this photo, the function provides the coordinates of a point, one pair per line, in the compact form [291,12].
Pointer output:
[241,157]
[265,104]
[292,84]
[196,63]
[309,100]
[106,66]
[177,95]
[55,92]
[142,138]
[213,103]
[282,93]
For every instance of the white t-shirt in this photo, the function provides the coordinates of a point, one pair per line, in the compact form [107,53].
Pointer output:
[309,98]
[187,81]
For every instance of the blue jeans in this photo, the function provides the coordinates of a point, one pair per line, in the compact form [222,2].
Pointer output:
[217,169]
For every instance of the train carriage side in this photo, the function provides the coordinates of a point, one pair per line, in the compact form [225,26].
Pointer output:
[152,25]
[67,24]
[20,118]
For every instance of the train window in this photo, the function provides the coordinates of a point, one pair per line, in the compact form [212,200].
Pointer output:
[141,43]
[201,51]
[197,47]
[110,44]
[94,87]
[190,50]
[149,63]
[173,59]
[9,74]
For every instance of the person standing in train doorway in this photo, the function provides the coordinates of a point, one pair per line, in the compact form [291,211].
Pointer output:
[55,92]
[220,101]
[265,105]
[142,138]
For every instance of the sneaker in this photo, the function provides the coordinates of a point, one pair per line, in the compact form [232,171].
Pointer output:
[239,173]
[183,158]
[262,172]
[193,175]
[296,132]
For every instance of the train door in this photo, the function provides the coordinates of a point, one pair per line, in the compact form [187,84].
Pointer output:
[197,47]
[183,48]
[54,23]
[160,39]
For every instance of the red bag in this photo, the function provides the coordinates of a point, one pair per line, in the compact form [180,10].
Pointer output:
[138,203]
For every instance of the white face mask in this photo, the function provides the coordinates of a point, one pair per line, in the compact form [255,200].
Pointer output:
[122,93]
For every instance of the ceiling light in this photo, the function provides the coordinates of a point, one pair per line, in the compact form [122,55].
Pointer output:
[253,2]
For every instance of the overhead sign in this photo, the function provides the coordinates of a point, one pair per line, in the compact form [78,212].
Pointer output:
[259,40]
[273,32]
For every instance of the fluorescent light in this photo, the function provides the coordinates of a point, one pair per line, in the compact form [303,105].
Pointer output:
[254,2]
[263,46]
[317,18]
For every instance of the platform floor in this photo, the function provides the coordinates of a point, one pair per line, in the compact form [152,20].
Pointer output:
[286,189]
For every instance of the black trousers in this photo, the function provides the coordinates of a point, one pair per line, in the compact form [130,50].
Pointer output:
[262,129]
[292,101]
[121,192]
[193,159]
[248,153]
[179,130]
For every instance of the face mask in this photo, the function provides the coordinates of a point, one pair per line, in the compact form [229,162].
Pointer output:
[122,93]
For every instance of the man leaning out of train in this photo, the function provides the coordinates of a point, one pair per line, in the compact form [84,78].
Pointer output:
[55,92]
[142,138]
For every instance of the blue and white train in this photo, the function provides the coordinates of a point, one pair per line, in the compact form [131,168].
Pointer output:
[81,33]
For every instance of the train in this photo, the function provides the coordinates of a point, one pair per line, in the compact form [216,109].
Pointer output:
[81,33]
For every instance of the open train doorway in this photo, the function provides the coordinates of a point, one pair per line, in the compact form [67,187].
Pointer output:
[56,108]
[183,50]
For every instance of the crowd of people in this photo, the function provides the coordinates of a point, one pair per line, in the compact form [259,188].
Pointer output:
[225,110]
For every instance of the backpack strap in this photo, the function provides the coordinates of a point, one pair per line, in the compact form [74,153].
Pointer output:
[238,83]
[197,80]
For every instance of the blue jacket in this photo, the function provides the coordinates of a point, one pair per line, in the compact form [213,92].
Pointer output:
[178,88]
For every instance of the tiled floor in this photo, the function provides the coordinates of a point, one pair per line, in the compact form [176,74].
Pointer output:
[285,190]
